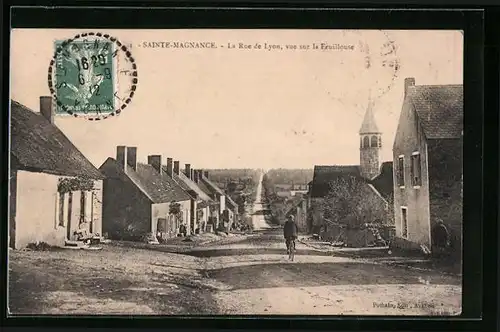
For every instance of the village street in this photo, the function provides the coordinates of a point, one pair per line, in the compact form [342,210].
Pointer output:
[260,279]
[239,274]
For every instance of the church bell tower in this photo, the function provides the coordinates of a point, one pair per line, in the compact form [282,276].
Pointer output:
[370,145]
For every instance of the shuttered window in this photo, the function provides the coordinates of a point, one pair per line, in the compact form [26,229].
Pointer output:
[416,178]
[401,171]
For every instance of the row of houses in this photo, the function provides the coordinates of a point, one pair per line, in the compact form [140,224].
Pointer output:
[419,191]
[291,190]
[58,196]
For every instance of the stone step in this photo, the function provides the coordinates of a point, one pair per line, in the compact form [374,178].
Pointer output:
[79,245]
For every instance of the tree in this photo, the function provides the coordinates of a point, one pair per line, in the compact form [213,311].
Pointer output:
[231,187]
[175,210]
[80,183]
[241,201]
[353,203]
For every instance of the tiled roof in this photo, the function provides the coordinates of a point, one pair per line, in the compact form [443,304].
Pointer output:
[178,180]
[323,175]
[384,181]
[211,186]
[204,188]
[439,109]
[160,189]
[39,145]
[187,185]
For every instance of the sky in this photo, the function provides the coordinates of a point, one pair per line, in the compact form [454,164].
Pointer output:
[248,108]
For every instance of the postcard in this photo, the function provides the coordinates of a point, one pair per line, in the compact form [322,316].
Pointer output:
[236,172]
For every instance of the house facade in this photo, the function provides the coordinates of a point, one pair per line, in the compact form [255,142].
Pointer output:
[200,207]
[427,156]
[55,192]
[139,202]
[371,180]
[232,211]
[215,193]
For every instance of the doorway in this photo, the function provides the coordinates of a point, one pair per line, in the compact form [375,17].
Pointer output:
[404,222]
[70,211]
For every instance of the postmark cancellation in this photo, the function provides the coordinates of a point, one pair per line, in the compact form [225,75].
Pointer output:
[92,75]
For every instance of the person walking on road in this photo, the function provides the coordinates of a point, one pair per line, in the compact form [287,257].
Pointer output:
[290,231]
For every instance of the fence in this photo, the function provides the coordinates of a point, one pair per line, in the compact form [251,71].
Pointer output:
[357,236]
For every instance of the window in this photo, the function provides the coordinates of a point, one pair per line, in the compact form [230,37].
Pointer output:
[374,142]
[82,206]
[416,179]
[404,222]
[366,142]
[62,196]
[401,171]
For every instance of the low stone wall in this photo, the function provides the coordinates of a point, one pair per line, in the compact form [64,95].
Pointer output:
[399,243]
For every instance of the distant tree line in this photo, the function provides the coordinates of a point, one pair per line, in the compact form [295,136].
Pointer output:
[289,176]
[246,175]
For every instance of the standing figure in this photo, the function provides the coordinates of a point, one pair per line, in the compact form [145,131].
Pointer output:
[290,231]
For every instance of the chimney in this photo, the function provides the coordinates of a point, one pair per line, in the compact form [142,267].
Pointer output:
[187,170]
[121,156]
[409,81]
[206,174]
[46,108]
[132,157]
[192,174]
[170,167]
[155,161]
[176,167]
[195,176]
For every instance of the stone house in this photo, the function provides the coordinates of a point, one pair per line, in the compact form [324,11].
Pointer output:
[139,202]
[231,211]
[215,193]
[201,205]
[55,192]
[427,156]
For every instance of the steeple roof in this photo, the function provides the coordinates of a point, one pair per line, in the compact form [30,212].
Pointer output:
[369,126]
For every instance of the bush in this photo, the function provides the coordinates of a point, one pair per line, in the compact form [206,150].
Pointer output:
[352,203]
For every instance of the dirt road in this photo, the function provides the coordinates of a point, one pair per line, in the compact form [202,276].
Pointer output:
[258,219]
[240,275]
[260,280]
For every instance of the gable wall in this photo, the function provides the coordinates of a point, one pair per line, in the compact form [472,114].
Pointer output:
[410,138]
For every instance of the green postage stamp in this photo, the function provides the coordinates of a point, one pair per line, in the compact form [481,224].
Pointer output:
[83,76]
